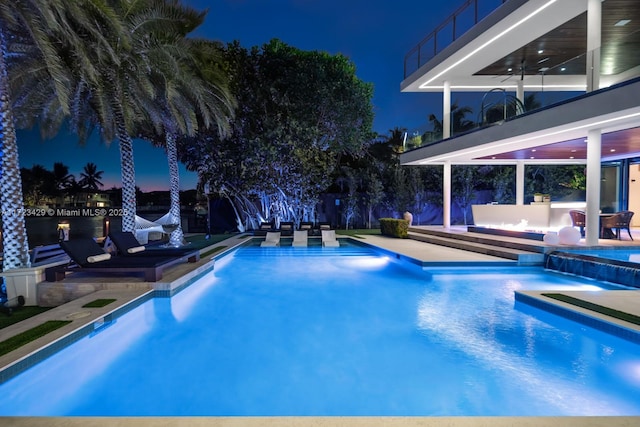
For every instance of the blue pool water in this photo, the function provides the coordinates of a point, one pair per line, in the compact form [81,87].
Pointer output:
[340,331]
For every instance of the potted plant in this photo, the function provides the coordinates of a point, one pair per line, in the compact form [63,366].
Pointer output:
[537,197]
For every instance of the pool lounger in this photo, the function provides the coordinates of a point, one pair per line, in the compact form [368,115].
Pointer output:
[272,239]
[329,238]
[88,257]
[129,246]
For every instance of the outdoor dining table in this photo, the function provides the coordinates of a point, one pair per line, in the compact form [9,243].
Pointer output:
[606,233]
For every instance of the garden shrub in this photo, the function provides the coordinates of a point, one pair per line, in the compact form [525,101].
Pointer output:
[394,227]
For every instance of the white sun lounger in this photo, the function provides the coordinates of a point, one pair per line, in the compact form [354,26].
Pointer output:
[300,238]
[272,239]
[329,238]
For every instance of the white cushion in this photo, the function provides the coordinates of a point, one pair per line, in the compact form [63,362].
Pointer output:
[136,249]
[98,258]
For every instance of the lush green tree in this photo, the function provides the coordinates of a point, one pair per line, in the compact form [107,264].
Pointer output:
[557,180]
[62,179]
[298,112]
[464,179]
[38,185]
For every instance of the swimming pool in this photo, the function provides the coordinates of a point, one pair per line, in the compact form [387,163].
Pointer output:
[339,331]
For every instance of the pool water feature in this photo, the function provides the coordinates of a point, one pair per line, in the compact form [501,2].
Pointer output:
[621,266]
[338,331]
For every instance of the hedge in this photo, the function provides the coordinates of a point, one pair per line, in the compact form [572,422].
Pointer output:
[394,227]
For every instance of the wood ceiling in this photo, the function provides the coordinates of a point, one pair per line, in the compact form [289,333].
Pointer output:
[562,51]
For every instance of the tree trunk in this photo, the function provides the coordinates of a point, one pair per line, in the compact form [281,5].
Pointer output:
[14,233]
[127,170]
[177,237]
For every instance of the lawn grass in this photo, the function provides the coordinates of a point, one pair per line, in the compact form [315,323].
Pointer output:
[20,314]
[99,303]
[621,315]
[199,241]
[19,340]
[359,232]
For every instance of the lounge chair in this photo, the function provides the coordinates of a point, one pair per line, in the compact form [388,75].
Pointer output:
[286,228]
[128,245]
[88,257]
[272,239]
[264,228]
[300,238]
[329,238]
[306,225]
[324,226]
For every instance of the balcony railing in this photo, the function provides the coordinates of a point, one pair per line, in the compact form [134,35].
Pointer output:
[463,19]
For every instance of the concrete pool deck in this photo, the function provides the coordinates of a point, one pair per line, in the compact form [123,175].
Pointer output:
[125,290]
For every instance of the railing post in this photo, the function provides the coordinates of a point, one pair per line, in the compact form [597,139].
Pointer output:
[435,44]
[475,12]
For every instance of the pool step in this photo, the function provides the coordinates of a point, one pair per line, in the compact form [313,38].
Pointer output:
[524,253]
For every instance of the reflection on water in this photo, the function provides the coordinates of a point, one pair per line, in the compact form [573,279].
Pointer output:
[44,230]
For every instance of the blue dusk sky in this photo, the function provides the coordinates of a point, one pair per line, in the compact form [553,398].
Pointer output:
[374,34]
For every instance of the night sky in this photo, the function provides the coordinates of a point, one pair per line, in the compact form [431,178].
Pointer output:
[374,34]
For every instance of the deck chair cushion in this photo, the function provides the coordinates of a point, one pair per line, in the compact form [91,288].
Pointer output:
[97,258]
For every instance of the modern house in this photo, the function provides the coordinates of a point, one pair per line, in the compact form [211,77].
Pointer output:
[587,49]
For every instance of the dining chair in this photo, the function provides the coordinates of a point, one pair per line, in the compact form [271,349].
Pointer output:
[578,220]
[624,223]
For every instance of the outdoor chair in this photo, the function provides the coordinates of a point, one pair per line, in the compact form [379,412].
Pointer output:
[618,221]
[263,229]
[88,257]
[272,239]
[329,238]
[286,228]
[300,238]
[128,245]
[306,226]
[578,219]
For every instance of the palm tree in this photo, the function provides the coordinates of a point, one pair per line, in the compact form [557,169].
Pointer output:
[32,34]
[192,97]
[124,99]
[459,122]
[90,177]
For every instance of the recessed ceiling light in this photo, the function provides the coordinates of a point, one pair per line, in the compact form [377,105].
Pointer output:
[540,51]
[509,69]
[613,150]
[532,157]
[563,69]
[493,157]
[571,157]
[622,23]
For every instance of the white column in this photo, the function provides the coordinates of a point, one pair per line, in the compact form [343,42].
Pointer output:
[520,183]
[594,144]
[446,195]
[446,111]
[594,36]
[520,91]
